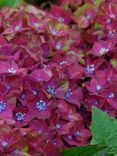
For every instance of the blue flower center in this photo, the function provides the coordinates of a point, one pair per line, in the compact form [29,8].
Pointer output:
[90,68]
[78,133]
[51,90]
[23,97]
[2,106]
[69,137]
[41,105]
[68,94]
[20,116]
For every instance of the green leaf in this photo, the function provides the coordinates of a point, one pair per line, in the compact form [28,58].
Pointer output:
[10,3]
[82,9]
[97,26]
[84,151]
[102,153]
[104,130]
[113,62]
[98,2]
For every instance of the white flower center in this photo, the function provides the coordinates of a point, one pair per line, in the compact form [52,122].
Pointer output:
[12,70]
[18,28]
[34,92]
[103,51]
[90,68]
[111,33]
[89,17]
[58,46]
[4,144]
[58,126]
[61,19]
[98,87]
[63,63]
[36,25]
[111,95]
[53,32]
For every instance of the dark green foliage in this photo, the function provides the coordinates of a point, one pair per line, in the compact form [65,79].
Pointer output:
[84,151]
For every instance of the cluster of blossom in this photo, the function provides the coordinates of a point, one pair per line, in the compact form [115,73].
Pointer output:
[54,66]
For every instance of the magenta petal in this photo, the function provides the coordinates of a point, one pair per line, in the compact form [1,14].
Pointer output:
[8,67]
[96,85]
[65,129]
[61,15]
[43,74]
[2,41]
[74,71]
[46,50]
[102,47]
[74,97]
[42,115]
[6,115]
